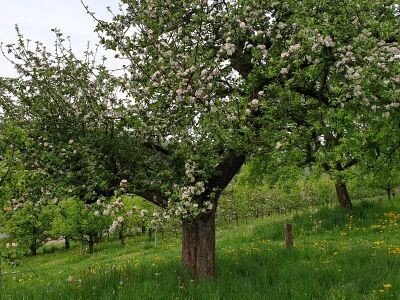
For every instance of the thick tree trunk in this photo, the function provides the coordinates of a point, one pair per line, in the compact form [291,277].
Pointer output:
[91,244]
[198,245]
[343,196]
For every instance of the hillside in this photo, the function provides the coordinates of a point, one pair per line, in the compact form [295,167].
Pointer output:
[336,256]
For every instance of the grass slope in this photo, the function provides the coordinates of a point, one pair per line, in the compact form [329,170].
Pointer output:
[336,256]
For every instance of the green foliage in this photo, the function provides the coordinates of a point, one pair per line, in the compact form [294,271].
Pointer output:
[75,219]
[280,191]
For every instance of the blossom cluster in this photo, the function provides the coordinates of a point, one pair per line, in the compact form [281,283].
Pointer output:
[11,245]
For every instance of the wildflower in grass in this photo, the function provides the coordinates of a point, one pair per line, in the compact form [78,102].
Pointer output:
[378,243]
[395,250]
[387,285]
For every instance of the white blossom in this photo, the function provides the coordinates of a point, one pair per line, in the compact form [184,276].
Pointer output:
[230,48]
[254,102]
[284,71]
[261,47]
[328,41]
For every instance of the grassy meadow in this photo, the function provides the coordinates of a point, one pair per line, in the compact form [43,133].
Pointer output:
[336,256]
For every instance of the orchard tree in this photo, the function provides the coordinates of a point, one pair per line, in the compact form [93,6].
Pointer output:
[209,78]
[382,170]
[99,145]
[26,202]
[386,179]
[339,82]
[9,254]
[85,222]
[28,215]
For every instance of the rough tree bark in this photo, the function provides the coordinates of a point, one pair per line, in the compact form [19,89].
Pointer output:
[198,235]
[343,196]
[288,235]
[198,245]
[340,185]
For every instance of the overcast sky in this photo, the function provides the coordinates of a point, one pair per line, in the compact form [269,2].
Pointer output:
[36,18]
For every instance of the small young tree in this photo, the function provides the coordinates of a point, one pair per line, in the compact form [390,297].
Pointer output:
[86,222]
[27,222]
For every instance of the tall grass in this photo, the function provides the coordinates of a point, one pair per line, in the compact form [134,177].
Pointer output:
[336,256]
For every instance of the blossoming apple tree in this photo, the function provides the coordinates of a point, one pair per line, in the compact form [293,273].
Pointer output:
[214,81]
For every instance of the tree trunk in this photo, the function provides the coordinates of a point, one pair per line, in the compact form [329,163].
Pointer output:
[343,195]
[97,238]
[91,244]
[122,236]
[67,242]
[143,228]
[389,194]
[33,249]
[198,245]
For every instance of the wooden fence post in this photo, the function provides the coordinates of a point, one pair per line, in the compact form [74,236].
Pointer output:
[288,235]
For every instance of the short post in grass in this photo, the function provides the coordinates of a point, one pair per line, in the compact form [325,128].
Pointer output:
[288,235]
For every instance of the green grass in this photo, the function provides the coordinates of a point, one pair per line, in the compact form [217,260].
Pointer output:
[336,256]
